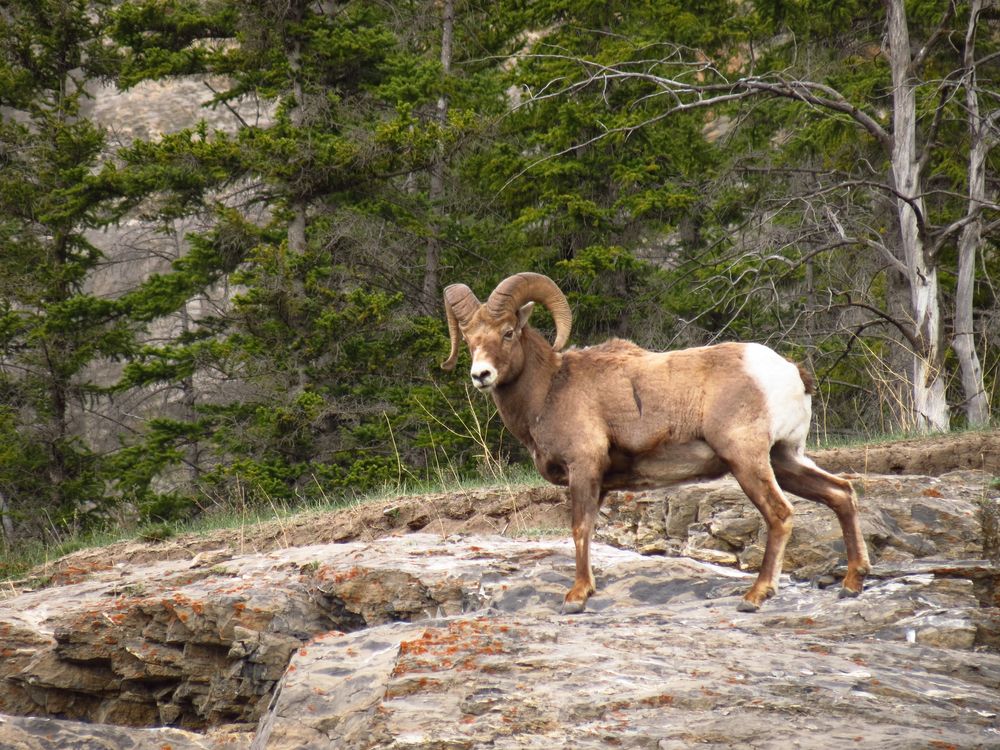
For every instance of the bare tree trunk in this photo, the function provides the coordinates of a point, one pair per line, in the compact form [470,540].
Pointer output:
[977,404]
[929,402]
[297,225]
[432,264]
[6,522]
[189,395]
[57,427]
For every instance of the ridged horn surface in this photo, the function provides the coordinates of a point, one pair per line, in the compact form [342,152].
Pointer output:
[521,288]
[460,304]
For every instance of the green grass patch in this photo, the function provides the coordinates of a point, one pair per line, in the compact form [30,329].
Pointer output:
[17,561]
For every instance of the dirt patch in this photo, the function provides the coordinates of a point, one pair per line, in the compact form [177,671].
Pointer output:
[931,456]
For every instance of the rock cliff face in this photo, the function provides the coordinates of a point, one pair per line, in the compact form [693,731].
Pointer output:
[348,630]
[137,248]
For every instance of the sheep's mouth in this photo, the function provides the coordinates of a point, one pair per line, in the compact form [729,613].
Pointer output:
[484,381]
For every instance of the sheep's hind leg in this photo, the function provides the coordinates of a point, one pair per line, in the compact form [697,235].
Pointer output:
[585,495]
[759,484]
[796,473]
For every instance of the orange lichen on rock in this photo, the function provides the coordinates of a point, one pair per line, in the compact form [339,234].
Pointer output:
[458,645]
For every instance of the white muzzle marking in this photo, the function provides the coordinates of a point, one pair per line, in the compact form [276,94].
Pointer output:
[484,374]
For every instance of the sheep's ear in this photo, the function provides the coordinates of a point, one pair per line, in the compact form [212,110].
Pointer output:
[523,314]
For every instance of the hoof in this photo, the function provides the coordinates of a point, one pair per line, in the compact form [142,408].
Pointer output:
[745,605]
[846,593]
[572,608]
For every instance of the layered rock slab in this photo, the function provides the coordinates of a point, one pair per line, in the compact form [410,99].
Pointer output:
[384,634]
[203,643]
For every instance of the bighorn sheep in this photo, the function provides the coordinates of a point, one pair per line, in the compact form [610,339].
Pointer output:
[615,416]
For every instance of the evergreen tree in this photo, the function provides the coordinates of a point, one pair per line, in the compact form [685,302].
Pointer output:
[51,328]
[325,347]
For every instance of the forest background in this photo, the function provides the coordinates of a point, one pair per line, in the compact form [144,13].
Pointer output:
[818,176]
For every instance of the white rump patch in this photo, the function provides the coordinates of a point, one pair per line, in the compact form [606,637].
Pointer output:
[787,402]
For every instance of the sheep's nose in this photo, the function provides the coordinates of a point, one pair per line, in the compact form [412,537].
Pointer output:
[483,376]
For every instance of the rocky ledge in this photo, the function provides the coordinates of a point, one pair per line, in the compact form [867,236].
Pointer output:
[453,639]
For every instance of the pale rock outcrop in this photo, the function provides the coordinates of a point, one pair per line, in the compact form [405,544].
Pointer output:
[423,640]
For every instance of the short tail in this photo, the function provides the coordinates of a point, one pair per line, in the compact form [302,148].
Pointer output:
[807,379]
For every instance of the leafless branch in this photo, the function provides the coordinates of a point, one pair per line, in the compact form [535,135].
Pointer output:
[940,31]
[908,334]
[227,105]
[930,141]
[691,94]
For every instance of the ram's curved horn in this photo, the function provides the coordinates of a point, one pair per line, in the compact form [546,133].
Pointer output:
[460,304]
[516,290]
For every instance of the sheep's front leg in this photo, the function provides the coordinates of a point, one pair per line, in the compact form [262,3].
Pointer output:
[585,499]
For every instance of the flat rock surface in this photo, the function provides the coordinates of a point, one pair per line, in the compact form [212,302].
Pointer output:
[687,673]
[661,659]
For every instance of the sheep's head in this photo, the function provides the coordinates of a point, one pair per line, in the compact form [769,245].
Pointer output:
[493,329]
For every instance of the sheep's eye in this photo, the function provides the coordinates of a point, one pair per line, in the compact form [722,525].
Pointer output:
[508,335]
